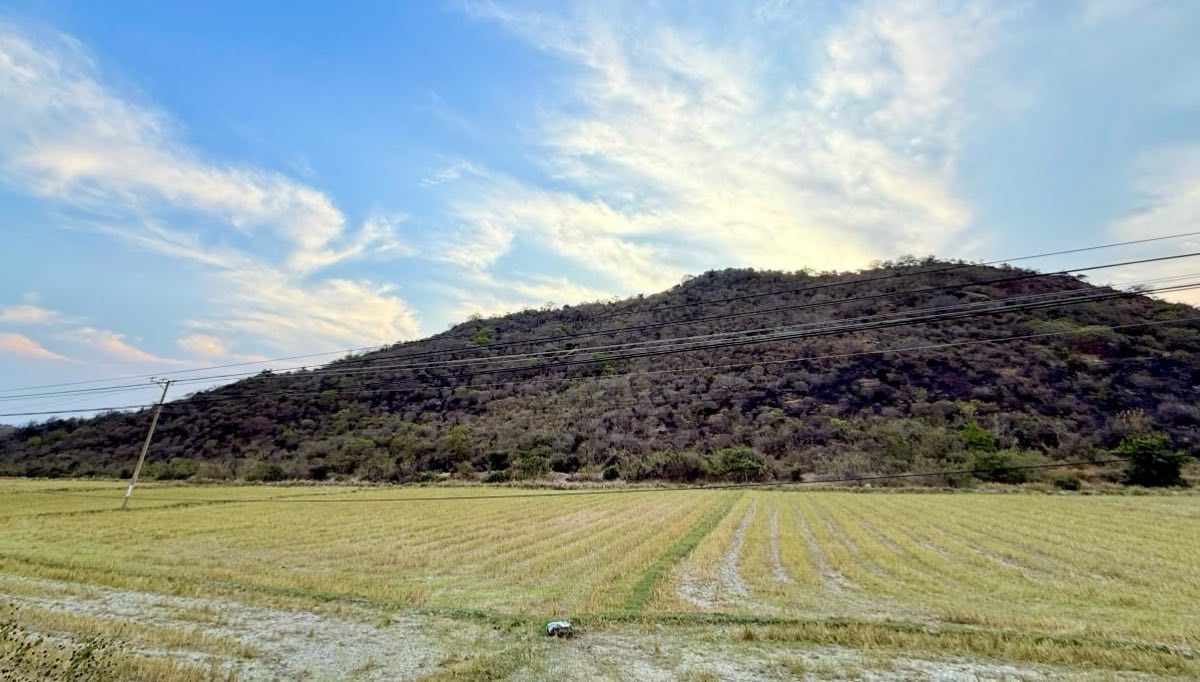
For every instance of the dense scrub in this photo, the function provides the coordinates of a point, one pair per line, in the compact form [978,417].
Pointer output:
[702,414]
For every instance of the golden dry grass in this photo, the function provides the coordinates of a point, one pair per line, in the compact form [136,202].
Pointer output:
[1076,580]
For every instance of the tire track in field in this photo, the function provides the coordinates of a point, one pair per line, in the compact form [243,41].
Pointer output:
[839,530]
[643,589]
[834,580]
[1025,567]
[729,574]
[777,569]
[727,582]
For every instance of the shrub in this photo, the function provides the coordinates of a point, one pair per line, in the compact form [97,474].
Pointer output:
[610,473]
[529,465]
[1151,463]
[497,476]
[976,438]
[380,467]
[999,466]
[566,463]
[458,443]
[1066,480]
[676,466]
[265,471]
[740,464]
[179,469]
[482,337]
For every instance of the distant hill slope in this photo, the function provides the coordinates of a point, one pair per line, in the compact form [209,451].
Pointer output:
[431,406]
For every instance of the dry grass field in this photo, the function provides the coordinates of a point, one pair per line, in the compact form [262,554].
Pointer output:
[222,582]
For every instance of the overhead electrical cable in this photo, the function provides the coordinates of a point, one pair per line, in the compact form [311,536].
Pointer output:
[740,365]
[344,369]
[690,304]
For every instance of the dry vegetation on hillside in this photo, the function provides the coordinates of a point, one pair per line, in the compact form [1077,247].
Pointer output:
[1064,396]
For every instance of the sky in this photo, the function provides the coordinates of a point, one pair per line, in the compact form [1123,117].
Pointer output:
[196,184]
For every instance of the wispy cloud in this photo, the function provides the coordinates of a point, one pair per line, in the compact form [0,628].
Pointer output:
[680,149]
[453,118]
[481,293]
[30,314]
[19,344]
[111,344]
[1167,193]
[202,345]
[69,137]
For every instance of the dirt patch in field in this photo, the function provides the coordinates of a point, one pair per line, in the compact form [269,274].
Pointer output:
[730,577]
[294,644]
[727,583]
[662,654]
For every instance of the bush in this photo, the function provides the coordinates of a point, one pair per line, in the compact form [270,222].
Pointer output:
[179,469]
[1151,463]
[529,465]
[1066,480]
[566,463]
[739,464]
[610,473]
[676,466]
[497,476]
[266,472]
[998,466]
[976,438]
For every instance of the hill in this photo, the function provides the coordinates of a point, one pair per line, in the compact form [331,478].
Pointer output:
[914,365]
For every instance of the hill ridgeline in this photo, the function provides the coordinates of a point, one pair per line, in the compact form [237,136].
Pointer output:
[917,365]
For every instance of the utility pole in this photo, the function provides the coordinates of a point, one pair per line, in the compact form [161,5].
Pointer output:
[137,470]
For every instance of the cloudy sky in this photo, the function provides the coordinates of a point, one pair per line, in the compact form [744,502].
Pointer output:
[234,181]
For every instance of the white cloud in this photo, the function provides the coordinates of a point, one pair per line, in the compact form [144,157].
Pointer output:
[68,136]
[111,344]
[19,344]
[1167,190]
[30,314]
[684,149]
[326,314]
[484,294]
[449,115]
[202,345]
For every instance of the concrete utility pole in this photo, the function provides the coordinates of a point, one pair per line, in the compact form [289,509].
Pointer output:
[137,470]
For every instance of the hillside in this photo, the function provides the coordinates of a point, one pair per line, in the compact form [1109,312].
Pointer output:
[588,401]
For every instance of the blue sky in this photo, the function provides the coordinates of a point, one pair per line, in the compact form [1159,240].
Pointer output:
[222,182]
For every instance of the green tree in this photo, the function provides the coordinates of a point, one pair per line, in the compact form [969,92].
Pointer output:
[976,438]
[530,465]
[1151,461]
[1002,466]
[740,464]
[265,471]
[458,443]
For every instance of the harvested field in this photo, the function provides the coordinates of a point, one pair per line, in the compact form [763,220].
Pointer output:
[224,579]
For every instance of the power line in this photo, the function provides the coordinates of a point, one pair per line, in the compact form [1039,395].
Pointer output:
[958,266]
[569,351]
[829,285]
[813,358]
[712,318]
[403,389]
[823,332]
[342,370]
[789,336]
[741,365]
